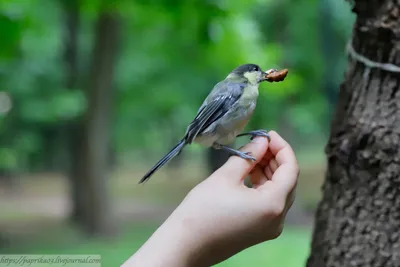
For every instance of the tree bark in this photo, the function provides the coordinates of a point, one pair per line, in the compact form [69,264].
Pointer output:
[96,130]
[358,218]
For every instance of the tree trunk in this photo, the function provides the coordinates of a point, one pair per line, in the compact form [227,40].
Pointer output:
[216,158]
[358,218]
[96,132]
[74,129]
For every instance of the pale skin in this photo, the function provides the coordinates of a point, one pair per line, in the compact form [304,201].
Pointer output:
[221,216]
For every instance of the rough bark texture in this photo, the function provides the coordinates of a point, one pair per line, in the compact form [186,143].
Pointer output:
[358,219]
[96,132]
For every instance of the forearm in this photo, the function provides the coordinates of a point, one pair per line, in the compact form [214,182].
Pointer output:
[170,246]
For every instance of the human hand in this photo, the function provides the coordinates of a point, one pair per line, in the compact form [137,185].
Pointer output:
[221,216]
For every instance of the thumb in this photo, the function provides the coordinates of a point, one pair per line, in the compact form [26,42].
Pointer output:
[238,167]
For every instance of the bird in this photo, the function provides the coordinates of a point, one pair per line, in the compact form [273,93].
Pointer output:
[223,115]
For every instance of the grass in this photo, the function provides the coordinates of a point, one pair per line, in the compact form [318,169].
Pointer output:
[170,187]
[289,250]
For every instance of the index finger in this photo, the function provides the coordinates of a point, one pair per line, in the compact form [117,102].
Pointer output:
[287,172]
[236,166]
[281,150]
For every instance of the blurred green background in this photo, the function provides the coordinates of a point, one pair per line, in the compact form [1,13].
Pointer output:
[93,93]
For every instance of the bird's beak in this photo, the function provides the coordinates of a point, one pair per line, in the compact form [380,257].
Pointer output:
[266,73]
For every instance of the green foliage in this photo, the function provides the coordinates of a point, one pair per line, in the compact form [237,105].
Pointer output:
[10,36]
[172,53]
[8,158]
[62,106]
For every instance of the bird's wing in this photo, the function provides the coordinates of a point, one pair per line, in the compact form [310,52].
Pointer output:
[217,104]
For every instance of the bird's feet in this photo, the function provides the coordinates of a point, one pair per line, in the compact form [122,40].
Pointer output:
[246,155]
[256,133]
[243,155]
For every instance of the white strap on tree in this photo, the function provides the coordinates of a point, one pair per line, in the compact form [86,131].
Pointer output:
[369,63]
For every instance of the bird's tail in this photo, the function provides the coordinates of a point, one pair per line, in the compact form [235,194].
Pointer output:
[173,153]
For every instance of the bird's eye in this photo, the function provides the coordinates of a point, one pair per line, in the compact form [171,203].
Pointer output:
[256,68]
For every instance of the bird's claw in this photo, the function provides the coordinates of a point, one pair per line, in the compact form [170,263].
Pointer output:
[262,133]
[243,155]
[247,155]
[256,133]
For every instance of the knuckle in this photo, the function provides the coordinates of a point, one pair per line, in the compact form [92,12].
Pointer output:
[275,210]
[297,169]
[278,210]
[277,233]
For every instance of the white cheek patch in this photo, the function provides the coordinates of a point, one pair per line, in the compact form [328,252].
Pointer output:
[251,76]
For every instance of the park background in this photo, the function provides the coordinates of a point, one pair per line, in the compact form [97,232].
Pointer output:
[94,92]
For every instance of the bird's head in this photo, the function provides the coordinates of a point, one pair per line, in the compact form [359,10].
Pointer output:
[250,73]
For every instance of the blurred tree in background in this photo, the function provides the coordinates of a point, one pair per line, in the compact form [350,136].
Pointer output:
[94,83]
[97,123]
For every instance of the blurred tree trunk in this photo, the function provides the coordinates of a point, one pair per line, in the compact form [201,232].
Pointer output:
[358,218]
[97,123]
[216,158]
[73,129]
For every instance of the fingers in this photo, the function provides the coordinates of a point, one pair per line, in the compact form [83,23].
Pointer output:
[257,176]
[238,167]
[268,172]
[267,158]
[281,150]
[273,165]
[284,168]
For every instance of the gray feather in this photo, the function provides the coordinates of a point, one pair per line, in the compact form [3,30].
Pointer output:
[224,95]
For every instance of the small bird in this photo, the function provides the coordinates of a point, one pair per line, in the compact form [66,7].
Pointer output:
[223,115]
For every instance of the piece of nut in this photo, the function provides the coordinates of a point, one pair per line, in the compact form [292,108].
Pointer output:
[277,76]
